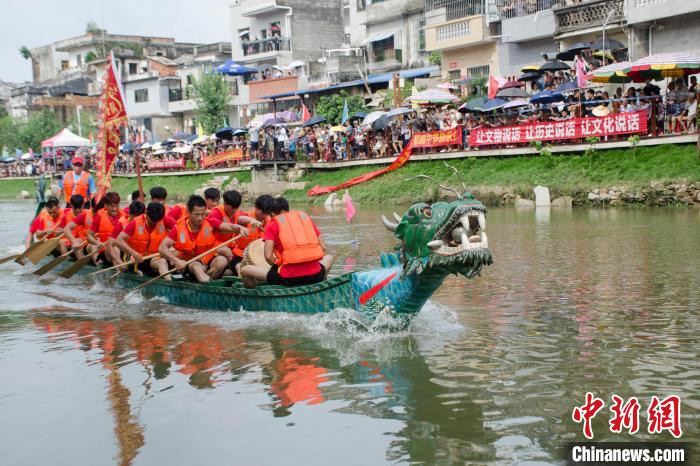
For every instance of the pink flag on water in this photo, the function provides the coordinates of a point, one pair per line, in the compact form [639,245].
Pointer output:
[349,207]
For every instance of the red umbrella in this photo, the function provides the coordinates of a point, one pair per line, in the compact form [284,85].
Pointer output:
[510,84]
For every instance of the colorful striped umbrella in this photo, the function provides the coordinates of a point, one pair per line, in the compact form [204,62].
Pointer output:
[664,65]
[613,73]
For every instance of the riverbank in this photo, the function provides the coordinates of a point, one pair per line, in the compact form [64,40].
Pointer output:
[631,172]
[179,186]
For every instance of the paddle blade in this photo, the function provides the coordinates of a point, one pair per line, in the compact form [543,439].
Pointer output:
[9,258]
[42,251]
[54,263]
[73,269]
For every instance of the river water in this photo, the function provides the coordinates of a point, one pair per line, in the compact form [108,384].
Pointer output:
[605,301]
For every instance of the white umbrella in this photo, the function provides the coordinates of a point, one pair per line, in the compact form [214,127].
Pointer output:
[183,149]
[372,117]
[157,146]
[159,152]
[201,139]
[296,64]
[146,145]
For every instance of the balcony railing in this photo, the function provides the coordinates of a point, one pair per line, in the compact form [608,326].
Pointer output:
[517,8]
[585,15]
[456,33]
[175,95]
[270,44]
[437,11]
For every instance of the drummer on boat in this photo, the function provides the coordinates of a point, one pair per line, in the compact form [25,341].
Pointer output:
[293,248]
[261,212]
[229,212]
[194,235]
[77,181]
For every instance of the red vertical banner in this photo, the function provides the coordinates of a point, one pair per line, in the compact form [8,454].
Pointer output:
[112,117]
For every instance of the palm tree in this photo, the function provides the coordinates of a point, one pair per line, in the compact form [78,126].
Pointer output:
[27,55]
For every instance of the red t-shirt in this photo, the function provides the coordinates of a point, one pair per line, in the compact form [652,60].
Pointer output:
[272,233]
[36,225]
[175,212]
[117,229]
[80,219]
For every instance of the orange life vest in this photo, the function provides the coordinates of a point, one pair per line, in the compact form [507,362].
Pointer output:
[71,187]
[298,239]
[143,241]
[79,232]
[183,210]
[255,233]
[48,222]
[225,236]
[106,226]
[189,248]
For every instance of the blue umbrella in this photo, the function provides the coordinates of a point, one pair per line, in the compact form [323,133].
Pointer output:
[240,132]
[127,147]
[225,133]
[546,97]
[191,137]
[180,135]
[474,105]
[315,120]
[493,104]
[567,87]
[399,111]
[231,68]
[358,115]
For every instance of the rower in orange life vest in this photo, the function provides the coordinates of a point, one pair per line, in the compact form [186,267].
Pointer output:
[193,236]
[75,210]
[77,227]
[99,235]
[212,196]
[294,249]
[77,181]
[135,196]
[48,223]
[229,212]
[142,236]
[261,212]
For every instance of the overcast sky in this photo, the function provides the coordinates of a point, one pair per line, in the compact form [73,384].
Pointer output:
[40,22]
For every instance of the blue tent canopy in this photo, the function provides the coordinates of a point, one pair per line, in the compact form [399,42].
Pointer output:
[231,68]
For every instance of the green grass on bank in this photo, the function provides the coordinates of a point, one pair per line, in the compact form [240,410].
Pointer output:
[561,173]
[179,187]
[11,189]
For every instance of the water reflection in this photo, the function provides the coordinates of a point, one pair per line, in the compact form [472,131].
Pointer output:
[437,423]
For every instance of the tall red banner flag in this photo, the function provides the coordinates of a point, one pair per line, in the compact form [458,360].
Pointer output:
[112,117]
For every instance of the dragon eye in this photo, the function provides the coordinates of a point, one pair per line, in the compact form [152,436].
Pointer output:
[427,212]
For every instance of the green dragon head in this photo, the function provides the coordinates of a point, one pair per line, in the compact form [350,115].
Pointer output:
[443,238]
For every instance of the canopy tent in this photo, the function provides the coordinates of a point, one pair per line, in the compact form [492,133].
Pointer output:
[231,68]
[65,138]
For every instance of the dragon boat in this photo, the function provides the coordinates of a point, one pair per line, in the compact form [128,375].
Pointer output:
[434,241]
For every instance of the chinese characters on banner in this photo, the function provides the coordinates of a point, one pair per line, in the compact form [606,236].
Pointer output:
[661,415]
[112,117]
[228,156]
[576,128]
[448,137]
[166,164]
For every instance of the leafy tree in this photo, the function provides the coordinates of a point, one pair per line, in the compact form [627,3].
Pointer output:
[90,56]
[25,52]
[331,106]
[22,135]
[92,26]
[435,58]
[211,92]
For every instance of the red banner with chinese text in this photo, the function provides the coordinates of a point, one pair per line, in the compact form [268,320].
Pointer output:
[166,164]
[398,162]
[575,128]
[112,117]
[448,137]
[228,156]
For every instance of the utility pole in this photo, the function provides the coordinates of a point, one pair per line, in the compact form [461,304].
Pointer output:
[80,126]
[397,90]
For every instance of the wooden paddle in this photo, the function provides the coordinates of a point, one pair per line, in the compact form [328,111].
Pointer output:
[43,250]
[10,258]
[54,263]
[194,259]
[79,264]
[32,247]
[125,264]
